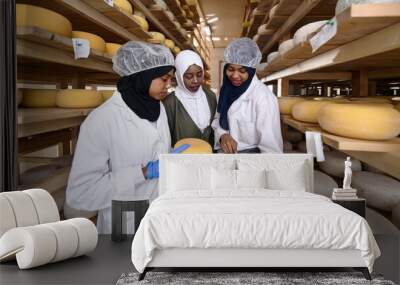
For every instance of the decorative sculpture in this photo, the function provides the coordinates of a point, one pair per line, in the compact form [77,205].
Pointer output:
[347,174]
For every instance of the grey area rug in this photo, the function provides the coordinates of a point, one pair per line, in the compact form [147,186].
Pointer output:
[243,278]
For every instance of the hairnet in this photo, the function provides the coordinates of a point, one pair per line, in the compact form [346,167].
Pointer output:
[243,51]
[135,56]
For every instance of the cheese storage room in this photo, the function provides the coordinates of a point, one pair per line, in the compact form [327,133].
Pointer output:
[200,142]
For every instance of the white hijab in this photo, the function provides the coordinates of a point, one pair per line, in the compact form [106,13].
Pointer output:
[195,104]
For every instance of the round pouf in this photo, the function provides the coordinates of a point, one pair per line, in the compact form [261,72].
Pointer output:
[323,184]
[334,163]
[381,191]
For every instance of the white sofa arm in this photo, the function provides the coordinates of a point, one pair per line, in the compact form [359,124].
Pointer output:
[40,244]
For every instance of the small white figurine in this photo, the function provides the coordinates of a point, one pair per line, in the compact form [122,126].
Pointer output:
[347,174]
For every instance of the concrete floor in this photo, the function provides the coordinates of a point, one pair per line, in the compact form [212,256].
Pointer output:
[110,260]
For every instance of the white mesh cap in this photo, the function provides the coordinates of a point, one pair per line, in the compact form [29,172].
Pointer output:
[243,51]
[135,56]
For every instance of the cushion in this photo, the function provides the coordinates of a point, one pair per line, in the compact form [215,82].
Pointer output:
[23,208]
[40,244]
[7,215]
[183,178]
[45,206]
[223,179]
[381,191]
[251,179]
[324,184]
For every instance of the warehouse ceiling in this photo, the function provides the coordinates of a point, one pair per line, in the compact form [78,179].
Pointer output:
[225,19]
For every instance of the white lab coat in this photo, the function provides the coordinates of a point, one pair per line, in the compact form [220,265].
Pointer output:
[254,120]
[113,146]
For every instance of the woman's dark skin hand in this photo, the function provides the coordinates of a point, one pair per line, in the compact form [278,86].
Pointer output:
[228,144]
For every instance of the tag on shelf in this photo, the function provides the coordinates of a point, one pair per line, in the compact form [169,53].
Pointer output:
[327,33]
[314,145]
[81,48]
[110,2]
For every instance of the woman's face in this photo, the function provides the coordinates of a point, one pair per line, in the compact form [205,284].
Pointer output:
[237,74]
[193,78]
[159,86]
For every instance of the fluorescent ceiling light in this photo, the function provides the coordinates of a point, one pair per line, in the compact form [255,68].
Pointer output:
[212,20]
[216,39]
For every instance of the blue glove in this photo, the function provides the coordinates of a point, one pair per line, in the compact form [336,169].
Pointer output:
[153,167]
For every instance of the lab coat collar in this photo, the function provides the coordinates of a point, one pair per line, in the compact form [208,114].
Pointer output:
[246,96]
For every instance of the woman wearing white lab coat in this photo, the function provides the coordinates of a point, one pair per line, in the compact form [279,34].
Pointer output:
[247,117]
[120,141]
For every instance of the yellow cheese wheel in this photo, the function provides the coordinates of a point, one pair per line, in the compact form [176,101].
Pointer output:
[307,111]
[106,94]
[360,121]
[156,38]
[32,16]
[39,98]
[111,48]
[286,104]
[191,2]
[96,42]
[142,22]
[78,98]
[197,146]
[169,43]
[176,50]
[124,5]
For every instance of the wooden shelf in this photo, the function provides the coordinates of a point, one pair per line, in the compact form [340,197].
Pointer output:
[42,120]
[300,126]
[168,23]
[177,10]
[119,16]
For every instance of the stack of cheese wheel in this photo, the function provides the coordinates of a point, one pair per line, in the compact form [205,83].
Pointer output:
[286,104]
[169,43]
[142,22]
[360,121]
[197,146]
[39,98]
[344,4]
[106,94]
[112,48]
[124,5]
[156,38]
[306,31]
[309,110]
[272,56]
[32,16]
[96,42]
[286,46]
[334,163]
[78,98]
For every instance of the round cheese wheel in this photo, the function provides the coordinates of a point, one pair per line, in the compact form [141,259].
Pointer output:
[308,111]
[70,213]
[124,5]
[96,42]
[32,16]
[396,216]
[286,104]
[169,43]
[272,56]
[360,121]
[344,4]
[334,163]
[381,191]
[196,146]
[39,98]
[23,207]
[142,22]
[176,50]
[106,94]
[156,38]
[304,32]
[286,46]
[78,98]
[324,184]
[111,48]
[7,216]
[45,205]
[191,2]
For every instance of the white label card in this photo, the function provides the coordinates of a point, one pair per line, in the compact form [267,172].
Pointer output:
[327,33]
[81,48]
[110,2]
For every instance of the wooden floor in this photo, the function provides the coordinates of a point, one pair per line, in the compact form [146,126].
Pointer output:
[110,260]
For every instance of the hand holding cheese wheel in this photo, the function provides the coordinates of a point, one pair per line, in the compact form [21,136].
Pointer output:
[96,42]
[360,121]
[39,98]
[307,111]
[286,104]
[32,16]
[124,5]
[111,48]
[197,146]
[78,98]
